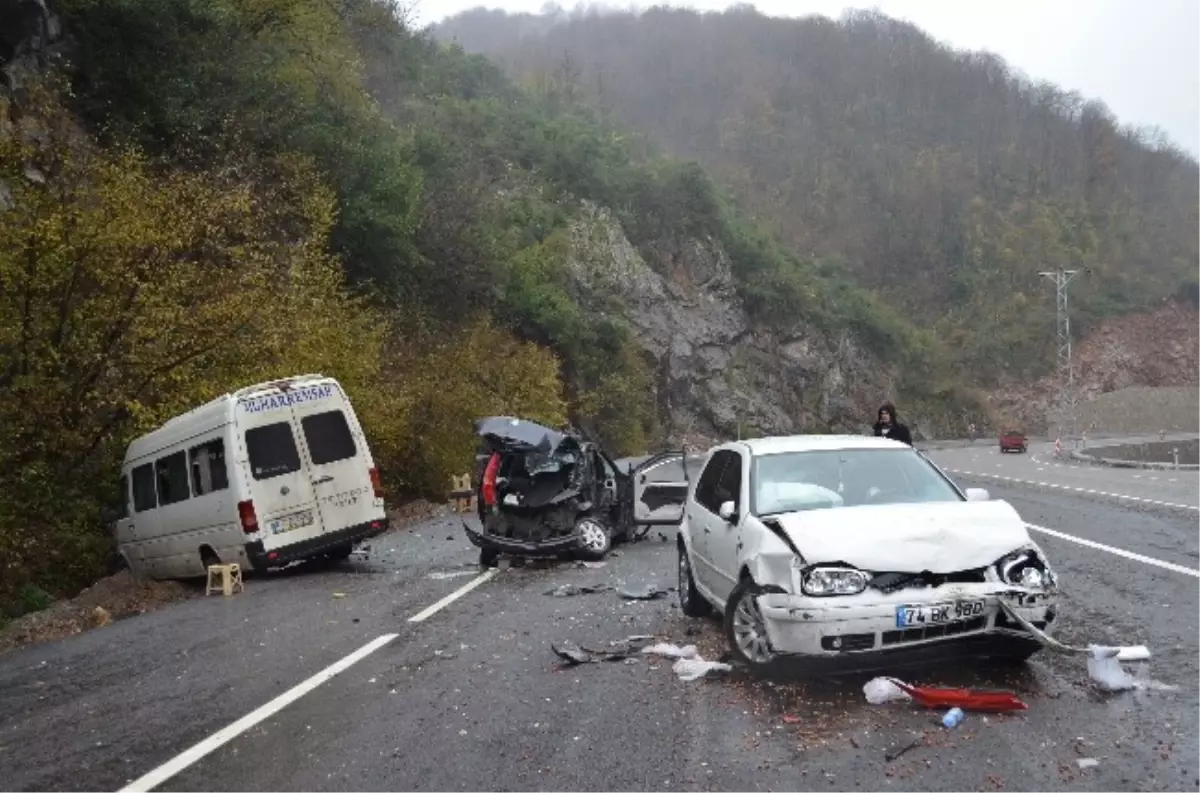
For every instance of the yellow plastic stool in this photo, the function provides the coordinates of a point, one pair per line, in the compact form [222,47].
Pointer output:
[231,579]
[461,494]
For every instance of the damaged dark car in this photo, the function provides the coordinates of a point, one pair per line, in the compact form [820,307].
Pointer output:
[542,492]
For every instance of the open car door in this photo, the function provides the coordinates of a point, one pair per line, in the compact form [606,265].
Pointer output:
[660,486]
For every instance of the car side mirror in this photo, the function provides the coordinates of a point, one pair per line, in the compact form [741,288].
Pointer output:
[977,494]
[728,512]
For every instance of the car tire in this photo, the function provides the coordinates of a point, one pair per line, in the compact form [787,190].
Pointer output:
[593,538]
[744,629]
[340,552]
[691,602]
[488,557]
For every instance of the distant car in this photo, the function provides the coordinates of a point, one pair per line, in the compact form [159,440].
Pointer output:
[1013,441]
[544,492]
[852,553]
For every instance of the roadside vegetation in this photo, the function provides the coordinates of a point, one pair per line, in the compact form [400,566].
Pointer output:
[942,181]
[211,193]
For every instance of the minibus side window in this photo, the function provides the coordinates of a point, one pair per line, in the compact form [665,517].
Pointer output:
[272,450]
[209,473]
[172,475]
[144,497]
[328,437]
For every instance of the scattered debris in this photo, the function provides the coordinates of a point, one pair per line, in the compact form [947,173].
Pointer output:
[1087,762]
[441,575]
[100,617]
[620,650]
[672,650]
[1137,652]
[1107,673]
[642,593]
[339,594]
[893,755]
[689,669]
[881,690]
[1102,661]
[953,718]
[878,691]
[590,565]
[571,590]
[790,719]
[572,653]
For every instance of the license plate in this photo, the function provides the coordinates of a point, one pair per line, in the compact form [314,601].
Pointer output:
[297,520]
[938,613]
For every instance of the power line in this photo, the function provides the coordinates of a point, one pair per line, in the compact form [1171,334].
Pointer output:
[1068,400]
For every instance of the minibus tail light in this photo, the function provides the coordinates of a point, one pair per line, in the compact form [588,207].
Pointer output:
[248,516]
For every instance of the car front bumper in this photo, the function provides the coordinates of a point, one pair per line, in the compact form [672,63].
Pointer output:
[860,631]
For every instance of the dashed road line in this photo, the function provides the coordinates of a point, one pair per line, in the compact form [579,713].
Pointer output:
[425,614]
[1083,490]
[218,739]
[1137,557]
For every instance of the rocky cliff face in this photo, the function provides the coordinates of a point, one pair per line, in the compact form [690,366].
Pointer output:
[1154,349]
[717,375]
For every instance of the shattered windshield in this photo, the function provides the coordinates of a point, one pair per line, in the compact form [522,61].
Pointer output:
[796,481]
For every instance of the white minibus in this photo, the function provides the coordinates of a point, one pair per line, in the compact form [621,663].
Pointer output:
[271,474]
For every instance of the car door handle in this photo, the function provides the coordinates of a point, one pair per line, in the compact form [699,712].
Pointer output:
[322,480]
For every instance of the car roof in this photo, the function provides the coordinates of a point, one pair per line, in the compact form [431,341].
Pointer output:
[815,443]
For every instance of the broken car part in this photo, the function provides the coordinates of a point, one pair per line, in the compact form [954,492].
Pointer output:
[881,690]
[544,492]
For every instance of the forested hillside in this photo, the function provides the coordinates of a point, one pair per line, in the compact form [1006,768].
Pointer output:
[196,195]
[943,181]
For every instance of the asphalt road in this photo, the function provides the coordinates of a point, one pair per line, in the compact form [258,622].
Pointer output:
[472,697]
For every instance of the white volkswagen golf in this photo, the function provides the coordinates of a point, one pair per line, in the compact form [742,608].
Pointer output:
[854,553]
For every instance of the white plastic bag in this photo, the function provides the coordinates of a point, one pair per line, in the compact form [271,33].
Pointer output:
[881,690]
[1105,670]
[672,650]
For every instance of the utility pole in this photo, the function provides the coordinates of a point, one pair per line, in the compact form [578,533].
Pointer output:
[1067,398]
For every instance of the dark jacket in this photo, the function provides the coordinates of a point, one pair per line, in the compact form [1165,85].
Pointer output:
[896,431]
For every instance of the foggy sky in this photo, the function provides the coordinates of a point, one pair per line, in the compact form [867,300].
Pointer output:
[1140,57]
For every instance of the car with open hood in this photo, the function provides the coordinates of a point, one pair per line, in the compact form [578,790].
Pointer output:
[544,492]
[849,553]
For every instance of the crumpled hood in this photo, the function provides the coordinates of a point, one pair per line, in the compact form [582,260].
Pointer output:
[509,431]
[908,538]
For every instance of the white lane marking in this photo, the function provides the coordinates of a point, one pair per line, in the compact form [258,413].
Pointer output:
[425,614]
[1137,557]
[173,766]
[218,739]
[1085,491]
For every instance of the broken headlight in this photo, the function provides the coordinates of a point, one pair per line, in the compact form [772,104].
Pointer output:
[823,581]
[1025,567]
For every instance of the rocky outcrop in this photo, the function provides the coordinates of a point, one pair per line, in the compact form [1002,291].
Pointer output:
[30,36]
[717,374]
[1137,373]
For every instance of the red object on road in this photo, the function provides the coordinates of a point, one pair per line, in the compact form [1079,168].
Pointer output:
[1012,441]
[965,698]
